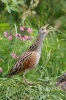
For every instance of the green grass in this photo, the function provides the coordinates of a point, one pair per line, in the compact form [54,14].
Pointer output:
[52,63]
[14,89]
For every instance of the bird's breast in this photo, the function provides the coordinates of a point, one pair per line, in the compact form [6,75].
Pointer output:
[34,59]
[37,58]
[31,61]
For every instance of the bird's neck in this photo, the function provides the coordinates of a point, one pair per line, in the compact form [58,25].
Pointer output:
[36,46]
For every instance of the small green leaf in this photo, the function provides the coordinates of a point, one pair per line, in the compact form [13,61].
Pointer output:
[14,8]
[8,9]
[5,1]
[18,2]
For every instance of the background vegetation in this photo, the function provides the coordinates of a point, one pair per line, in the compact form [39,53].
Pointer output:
[33,14]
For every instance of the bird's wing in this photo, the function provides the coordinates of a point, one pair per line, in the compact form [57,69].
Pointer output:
[23,63]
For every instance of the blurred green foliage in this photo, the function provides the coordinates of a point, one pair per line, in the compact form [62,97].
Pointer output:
[34,14]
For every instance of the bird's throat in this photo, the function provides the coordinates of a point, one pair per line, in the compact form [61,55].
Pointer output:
[39,41]
[36,46]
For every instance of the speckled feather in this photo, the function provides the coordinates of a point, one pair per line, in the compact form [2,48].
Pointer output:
[61,78]
[30,57]
[26,61]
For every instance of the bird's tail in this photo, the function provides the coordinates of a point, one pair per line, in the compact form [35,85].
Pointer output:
[11,73]
[8,75]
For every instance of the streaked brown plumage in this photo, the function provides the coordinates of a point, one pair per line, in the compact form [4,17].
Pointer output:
[62,86]
[30,57]
[61,81]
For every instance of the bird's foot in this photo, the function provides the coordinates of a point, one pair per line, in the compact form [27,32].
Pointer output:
[28,82]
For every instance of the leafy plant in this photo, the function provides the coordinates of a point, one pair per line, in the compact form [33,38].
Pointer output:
[15,15]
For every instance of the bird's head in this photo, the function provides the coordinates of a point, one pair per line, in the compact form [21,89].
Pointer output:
[43,31]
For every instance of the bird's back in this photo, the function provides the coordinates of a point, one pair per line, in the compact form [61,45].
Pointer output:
[26,61]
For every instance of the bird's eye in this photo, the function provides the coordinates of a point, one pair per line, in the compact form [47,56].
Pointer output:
[42,28]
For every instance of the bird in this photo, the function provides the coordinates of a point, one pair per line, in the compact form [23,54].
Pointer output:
[62,86]
[61,81]
[29,58]
[61,78]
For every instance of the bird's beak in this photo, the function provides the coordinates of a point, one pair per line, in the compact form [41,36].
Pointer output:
[49,30]
[46,26]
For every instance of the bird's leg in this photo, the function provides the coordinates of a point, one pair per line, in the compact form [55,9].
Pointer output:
[23,77]
[25,80]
